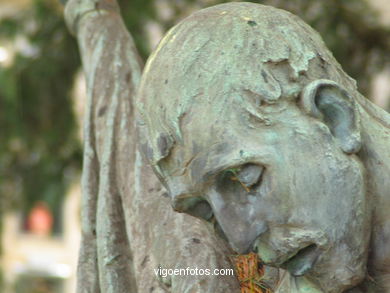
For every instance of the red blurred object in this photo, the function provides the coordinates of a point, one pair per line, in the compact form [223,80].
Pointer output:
[40,219]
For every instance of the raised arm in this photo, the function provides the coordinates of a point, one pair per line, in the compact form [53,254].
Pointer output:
[112,69]
[129,229]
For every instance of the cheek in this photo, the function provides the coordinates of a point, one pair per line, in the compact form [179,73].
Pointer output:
[314,182]
[328,192]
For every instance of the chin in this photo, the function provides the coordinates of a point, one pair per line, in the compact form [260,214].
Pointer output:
[335,273]
[338,276]
[326,283]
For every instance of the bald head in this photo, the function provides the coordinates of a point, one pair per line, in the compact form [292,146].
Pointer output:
[226,58]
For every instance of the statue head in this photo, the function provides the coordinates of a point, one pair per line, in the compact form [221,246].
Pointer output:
[247,118]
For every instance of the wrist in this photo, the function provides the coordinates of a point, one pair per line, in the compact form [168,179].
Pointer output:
[75,10]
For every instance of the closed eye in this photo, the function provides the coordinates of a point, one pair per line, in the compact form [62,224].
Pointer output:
[247,176]
[250,175]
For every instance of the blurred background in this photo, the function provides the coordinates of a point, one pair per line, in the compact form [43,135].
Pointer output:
[42,95]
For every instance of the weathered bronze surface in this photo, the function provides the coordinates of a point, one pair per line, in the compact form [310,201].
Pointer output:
[129,229]
[247,118]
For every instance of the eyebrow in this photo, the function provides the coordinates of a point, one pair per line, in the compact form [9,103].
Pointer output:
[178,189]
[233,158]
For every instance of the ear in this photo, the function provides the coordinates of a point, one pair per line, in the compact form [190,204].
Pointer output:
[330,103]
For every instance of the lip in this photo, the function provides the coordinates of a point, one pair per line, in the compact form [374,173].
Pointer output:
[303,261]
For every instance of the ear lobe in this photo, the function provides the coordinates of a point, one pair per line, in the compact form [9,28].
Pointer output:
[330,103]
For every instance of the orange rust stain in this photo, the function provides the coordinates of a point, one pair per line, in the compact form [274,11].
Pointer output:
[250,272]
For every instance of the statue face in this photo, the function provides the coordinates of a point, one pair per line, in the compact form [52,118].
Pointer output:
[281,187]
[226,133]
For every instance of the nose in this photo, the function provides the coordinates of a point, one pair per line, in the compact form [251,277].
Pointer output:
[238,226]
[240,233]
[239,223]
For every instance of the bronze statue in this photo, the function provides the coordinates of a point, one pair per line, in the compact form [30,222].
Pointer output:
[248,119]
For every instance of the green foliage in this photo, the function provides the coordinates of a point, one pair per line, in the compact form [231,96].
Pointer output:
[1,280]
[38,131]
[136,14]
[38,284]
